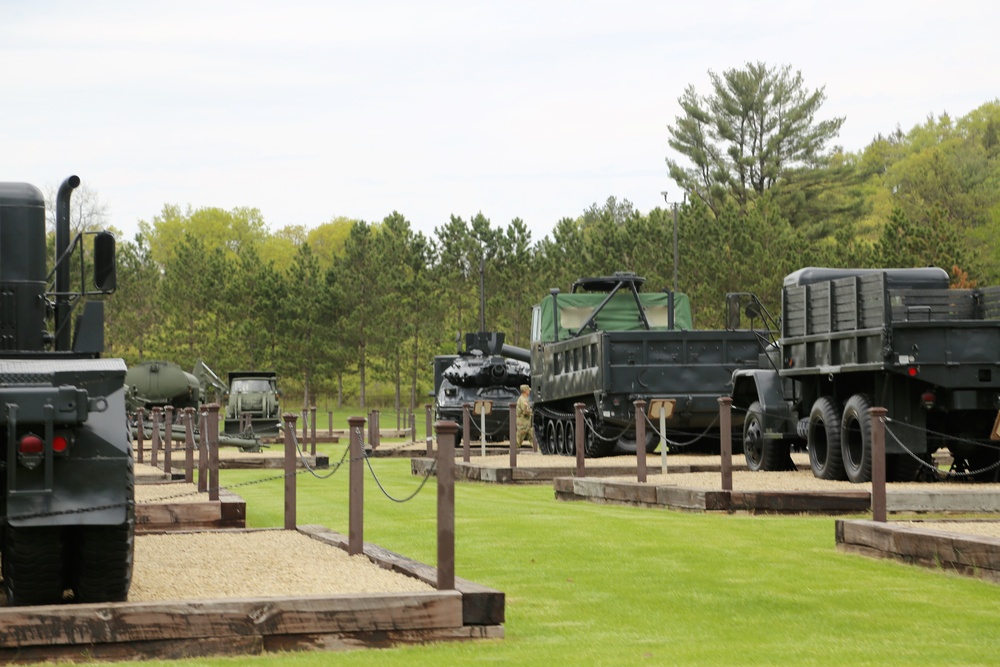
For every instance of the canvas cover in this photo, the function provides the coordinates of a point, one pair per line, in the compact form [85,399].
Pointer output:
[620,314]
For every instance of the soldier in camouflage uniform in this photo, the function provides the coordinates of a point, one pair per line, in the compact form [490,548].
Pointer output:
[524,415]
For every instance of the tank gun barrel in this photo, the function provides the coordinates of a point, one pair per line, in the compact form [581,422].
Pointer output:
[514,352]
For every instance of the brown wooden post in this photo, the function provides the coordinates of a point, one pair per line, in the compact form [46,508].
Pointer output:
[580,439]
[290,477]
[878,464]
[168,437]
[466,428]
[140,436]
[203,450]
[413,426]
[513,435]
[189,445]
[446,431]
[329,424]
[640,441]
[430,429]
[726,441]
[398,418]
[213,451]
[356,490]
[378,428]
[312,428]
[154,445]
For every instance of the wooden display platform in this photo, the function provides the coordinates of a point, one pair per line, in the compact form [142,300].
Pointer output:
[970,555]
[240,626]
[526,473]
[705,500]
[675,495]
[229,511]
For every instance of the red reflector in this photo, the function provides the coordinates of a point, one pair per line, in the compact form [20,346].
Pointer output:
[59,444]
[912,371]
[30,444]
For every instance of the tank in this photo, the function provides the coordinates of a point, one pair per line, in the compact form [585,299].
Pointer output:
[67,507]
[485,370]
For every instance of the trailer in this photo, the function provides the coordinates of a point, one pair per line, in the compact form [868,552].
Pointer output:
[900,339]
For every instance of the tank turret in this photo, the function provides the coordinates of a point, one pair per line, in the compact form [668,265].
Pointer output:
[485,370]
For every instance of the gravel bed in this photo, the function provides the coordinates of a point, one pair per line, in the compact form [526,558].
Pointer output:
[976,528]
[253,564]
[800,480]
[169,493]
[533,460]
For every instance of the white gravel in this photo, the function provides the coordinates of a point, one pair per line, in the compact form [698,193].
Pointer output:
[252,564]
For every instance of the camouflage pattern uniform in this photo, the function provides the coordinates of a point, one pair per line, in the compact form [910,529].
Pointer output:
[524,416]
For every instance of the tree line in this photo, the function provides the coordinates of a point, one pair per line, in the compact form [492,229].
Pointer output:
[354,311]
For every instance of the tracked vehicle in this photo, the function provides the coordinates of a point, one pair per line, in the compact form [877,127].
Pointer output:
[608,344]
[487,369]
[67,484]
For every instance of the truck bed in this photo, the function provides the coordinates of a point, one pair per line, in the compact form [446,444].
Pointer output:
[643,363]
[859,323]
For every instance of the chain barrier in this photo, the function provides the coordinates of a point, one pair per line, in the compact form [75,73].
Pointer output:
[388,495]
[689,443]
[590,426]
[500,428]
[306,468]
[936,470]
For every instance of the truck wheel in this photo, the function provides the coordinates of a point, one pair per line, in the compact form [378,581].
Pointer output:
[856,439]
[103,562]
[33,565]
[595,447]
[823,438]
[763,454]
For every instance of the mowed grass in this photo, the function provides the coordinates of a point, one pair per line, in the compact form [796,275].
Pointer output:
[590,584]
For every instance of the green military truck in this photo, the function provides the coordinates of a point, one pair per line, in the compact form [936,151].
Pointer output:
[67,484]
[253,400]
[607,344]
[851,339]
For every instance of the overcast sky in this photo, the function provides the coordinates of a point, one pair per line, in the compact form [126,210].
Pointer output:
[531,109]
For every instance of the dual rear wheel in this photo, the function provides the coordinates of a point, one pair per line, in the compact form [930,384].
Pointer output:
[840,441]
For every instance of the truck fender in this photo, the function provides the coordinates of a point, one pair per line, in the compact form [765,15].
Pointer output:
[765,387]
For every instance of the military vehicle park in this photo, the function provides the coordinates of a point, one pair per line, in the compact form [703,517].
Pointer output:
[757,423]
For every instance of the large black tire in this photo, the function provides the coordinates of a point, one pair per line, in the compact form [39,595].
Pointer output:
[595,447]
[103,562]
[627,444]
[856,438]
[761,453]
[33,570]
[560,438]
[823,438]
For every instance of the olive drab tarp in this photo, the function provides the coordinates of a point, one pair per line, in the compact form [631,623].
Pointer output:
[620,314]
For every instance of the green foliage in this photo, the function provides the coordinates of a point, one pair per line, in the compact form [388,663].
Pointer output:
[357,310]
[756,126]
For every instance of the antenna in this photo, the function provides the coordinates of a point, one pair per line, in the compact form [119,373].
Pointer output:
[482,293]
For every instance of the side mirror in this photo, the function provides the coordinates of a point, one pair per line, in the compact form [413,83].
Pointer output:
[105,273]
[732,311]
[753,310]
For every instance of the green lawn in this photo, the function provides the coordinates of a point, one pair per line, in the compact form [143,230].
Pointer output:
[590,584]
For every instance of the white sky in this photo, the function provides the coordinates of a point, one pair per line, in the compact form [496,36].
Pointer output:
[532,109]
